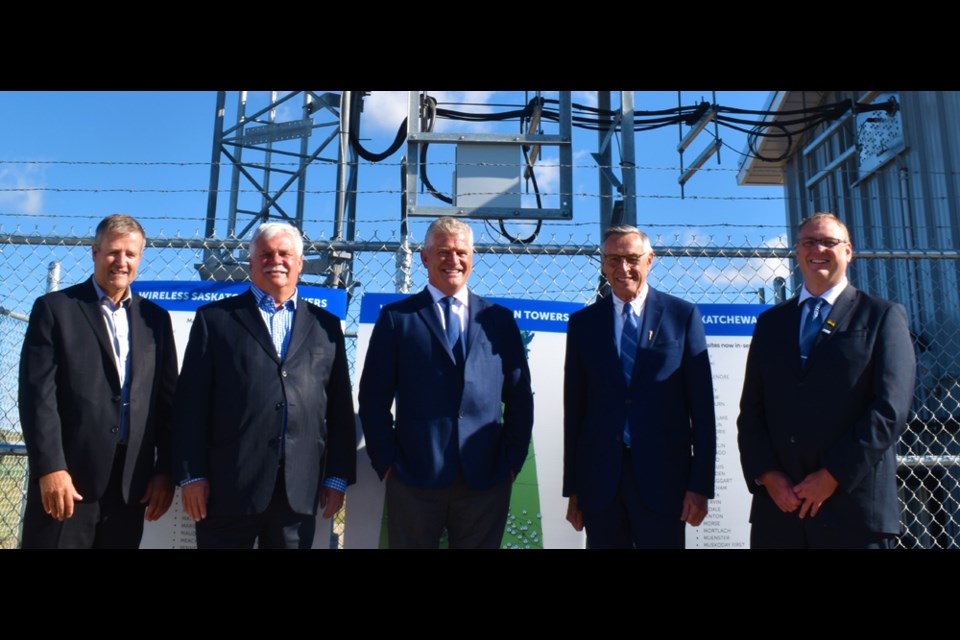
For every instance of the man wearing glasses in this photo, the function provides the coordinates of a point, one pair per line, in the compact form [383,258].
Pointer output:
[639,426]
[829,382]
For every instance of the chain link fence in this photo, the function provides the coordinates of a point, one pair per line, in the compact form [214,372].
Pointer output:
[715,271]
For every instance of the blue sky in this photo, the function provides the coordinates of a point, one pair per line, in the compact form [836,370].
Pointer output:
[45,137]
[69,158]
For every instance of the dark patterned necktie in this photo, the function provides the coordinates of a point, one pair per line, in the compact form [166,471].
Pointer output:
[811,327]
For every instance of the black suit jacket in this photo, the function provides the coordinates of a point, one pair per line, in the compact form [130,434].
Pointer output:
[669,405]
[844,411]
[70,392]
[231,400]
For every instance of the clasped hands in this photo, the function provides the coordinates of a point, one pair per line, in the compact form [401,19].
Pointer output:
[808,495]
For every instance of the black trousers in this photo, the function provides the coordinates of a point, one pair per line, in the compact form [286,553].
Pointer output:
[773,529]
[108,523]
[278,527]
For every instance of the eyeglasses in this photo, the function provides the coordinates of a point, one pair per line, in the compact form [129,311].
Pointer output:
[613,260]
[826,243]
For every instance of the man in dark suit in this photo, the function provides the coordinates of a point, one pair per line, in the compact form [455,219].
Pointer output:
[639,426]
[456,366]
[264,414]
[97,376]
[829,382]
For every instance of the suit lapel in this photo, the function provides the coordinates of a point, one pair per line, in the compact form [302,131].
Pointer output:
[249,316]
[428,314]
[141,375]
[650,322]
[302,327]
[473,327]
[139,344]
[649,327]
[90,308]
[837,317]
[793,331]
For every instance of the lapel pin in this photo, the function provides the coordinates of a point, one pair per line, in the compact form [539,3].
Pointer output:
[650,335]
[828,327]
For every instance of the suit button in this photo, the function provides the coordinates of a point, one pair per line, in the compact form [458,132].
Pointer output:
[460,415]
[793,440]
[116,398]
[278,406]
[114,429]
[628,401]
[283,373]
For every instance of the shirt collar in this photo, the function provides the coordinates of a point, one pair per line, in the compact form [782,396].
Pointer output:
[103,297]
[829,296]
[636,303]
[462,296]
[261,296]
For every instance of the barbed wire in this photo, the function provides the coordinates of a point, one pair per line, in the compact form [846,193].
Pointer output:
[550,194]
[98,215]
[331,192]
[543,164]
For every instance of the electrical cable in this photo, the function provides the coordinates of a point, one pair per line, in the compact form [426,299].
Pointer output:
[370,156]
[428,106]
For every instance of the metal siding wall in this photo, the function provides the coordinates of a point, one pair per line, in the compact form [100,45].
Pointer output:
[932,158]
[910,203]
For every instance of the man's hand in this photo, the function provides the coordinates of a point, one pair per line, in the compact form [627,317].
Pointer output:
[574,515]
[158,496]
[194,496]
[814,490]
[781,490]
[58,495]
[694,508]
[330,500]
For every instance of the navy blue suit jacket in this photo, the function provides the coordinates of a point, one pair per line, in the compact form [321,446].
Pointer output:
[844,411]
[232,396]
[480,421]
[669,405]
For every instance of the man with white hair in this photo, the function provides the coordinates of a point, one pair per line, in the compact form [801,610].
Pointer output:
[264,414]
[456,367]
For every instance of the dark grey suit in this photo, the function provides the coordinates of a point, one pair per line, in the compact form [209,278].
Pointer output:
[844,411]
[234,391]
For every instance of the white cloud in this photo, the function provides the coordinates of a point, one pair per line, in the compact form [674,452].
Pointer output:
[587,98]
[465,97]
[29,203]
[473,96]
[383,111]
[754,272]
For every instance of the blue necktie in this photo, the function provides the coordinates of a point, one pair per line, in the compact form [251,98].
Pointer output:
[628,352]
[453,328]
[811,327]
[628,342]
